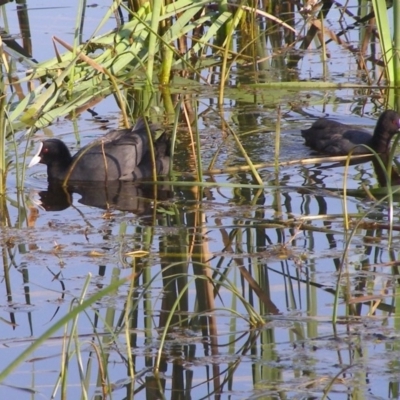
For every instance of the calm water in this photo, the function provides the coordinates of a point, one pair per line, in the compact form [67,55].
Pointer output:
[290,238]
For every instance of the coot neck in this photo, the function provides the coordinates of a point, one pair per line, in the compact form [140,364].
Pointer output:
[57,169]
[380,140]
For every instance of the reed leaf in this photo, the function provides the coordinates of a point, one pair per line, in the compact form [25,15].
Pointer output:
[383,25]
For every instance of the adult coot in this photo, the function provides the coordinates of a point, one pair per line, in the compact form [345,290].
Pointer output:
[122,154]
[334,138]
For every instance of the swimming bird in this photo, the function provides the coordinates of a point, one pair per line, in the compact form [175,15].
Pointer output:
[122,154]
[334,138]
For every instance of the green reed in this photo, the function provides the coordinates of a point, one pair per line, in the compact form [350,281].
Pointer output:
[3,125]
[389,54]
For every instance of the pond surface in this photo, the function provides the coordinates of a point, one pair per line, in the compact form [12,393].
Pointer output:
[250,273]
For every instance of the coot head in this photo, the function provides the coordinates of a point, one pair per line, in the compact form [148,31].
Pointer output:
[55,154]
[389,121]
[51,151]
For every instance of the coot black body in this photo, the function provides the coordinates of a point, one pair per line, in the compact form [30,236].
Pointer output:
[334,138]
[119,155]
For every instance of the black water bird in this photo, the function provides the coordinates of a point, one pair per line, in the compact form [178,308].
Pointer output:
[334,138]
[122,154]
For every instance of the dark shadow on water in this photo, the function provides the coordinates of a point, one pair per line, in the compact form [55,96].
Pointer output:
[116,195]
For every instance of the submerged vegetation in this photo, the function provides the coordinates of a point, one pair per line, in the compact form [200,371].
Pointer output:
[158,61]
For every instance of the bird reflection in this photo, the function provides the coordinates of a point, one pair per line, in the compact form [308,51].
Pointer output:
[123,196]
[380,164]
[381,171]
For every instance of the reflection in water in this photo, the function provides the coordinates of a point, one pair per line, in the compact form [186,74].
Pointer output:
[378,175]
[385,179]
[277,248]
[116,195]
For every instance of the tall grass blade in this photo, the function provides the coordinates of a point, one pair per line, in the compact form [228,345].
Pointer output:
[277,141]
[3,122]
[152,49]
[385,37]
